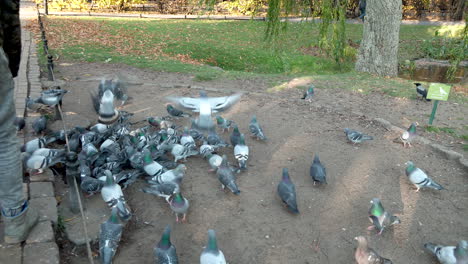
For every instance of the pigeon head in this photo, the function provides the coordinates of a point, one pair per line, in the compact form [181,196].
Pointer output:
[181,167]
[254,118]
[242,139]
[461,251]
[410,166]
[236,129]
[376,207]
[346,130]
[394,220]
[311,89]
[186,132]
[362,241]
[169,107]
[178,200]
[147,159]
[165,241]
[219,120]
[412,128]
[109,177]
[285,174]
[316,158]
[212,244]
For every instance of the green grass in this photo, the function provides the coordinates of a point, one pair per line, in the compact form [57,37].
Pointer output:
[237,47]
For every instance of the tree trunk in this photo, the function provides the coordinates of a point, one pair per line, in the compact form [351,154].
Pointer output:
[379,45]
[458,10]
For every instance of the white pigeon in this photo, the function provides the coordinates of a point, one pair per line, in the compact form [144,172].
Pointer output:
[241,152]
[211,254]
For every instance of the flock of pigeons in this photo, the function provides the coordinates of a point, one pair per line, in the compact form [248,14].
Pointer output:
[112,156]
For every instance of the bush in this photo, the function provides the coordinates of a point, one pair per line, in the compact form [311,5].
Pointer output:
[443,48]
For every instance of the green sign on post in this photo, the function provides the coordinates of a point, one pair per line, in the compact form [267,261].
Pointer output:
[437,92]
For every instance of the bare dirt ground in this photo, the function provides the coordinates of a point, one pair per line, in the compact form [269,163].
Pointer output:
[254,227]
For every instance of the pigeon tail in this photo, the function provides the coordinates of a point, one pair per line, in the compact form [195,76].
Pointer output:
[434,185]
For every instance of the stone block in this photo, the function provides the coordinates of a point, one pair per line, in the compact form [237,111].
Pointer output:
[41,189]
[10,254]
[41,253]
[41,233]
[47,208]
[48,175]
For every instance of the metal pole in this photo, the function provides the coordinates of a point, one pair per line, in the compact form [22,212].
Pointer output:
[434,109]
[50,67]
[46,7]
[71,175]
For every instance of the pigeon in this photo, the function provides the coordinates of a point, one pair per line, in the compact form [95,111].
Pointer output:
[35,144]
[109,237]
[366,255]
[206,106]
[187,140]
[421,92]
[356,136]
[409,135]
[241,152]
[127,177]
[318,171]
[50,153]
[287,192]
[235,136]
[116,87]
[211,254]
[419,178]
[165,252]
[450,254]
[40,124]
[164,190]
[39,163]
[176,175]
[49,97]
[309,93]
[256,130]
[380,218]
[107,112]
[112,194]
[151,167]
[214,160]
[179,205]
[224,124]
[19,123]
[206,149]
[100,128]
[74,142]
[176,112]
[215,140]
[181,152]
[91,185]
[227,177]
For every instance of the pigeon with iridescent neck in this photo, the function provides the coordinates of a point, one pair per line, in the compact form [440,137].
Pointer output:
[256,129]
[366,255]
[151,167]
[223,123]
[211,254]
[450,254]
[179,205]
[241,153]
[112,194]
[226,176]
[165,251]
[235,136]
[309,93]
[419,178]
[175,175]
[318,171]
[409,135]
[164,190]
[109,237]
[380,218]
[287,192]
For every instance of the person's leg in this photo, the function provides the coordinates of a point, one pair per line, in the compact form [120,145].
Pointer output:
[18,219]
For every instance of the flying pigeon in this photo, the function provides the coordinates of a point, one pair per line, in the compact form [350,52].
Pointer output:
[227,177]
[49,97]
[421,92]
[379,217]
[109,237]
[107,112]
[450,254]
[318,171]
[19,123]
[366,255]
[223,123]
[241,152]
[256,130]
[179,205]
[287,192]
[235,136]
[112,194]
[165,251]
[419,178]
[356,136]
[211,254]
[40,124]
[164,190]
[309,93]
[176,112]
[206,106]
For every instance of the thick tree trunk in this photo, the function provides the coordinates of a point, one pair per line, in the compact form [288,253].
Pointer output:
[459,10]
[379,45]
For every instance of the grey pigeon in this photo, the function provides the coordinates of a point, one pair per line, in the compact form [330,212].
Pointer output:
[215,140]
[235,136]
[164,190]
[109,237]
[100,128]
[214,160]
[49,97]
[256,129]
[450,254]
[318,171]
[91,185]
[112,194]
[74,142]
[419,178]
[223,123]
[151,167]
[366,255]
[176,112]
[241,153]
[287,192]
[39,163]
[34,144]
[380,218]
[181,152]
[187,140]
[175,175]
[19,123]
[206,106]
[355,136]
[165,251]
[211,254]
[421,92]
[50,153]
[226,176]
[40,124]
[309,93]
[408,135]
[179,205]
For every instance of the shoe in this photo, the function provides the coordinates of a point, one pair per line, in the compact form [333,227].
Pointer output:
[17,228]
